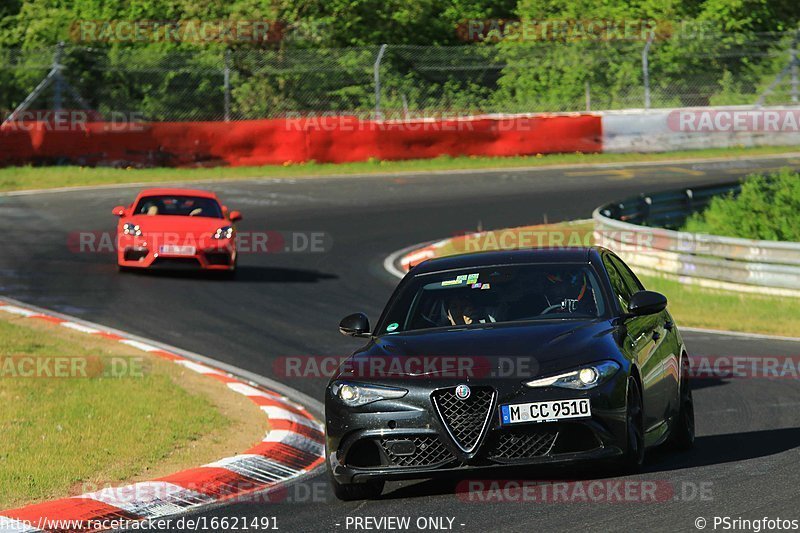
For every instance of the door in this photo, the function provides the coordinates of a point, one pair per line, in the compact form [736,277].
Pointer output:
[643,338]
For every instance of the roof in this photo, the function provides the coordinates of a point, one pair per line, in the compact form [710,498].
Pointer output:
[503,257]
[166,191]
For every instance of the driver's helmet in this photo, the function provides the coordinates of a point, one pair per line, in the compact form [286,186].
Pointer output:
[567,287]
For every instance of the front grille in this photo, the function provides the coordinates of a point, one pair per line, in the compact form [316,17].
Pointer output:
[522,445]
[466,420]
[176,262]
[429,450]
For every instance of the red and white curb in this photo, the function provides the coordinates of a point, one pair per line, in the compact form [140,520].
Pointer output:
[292,448]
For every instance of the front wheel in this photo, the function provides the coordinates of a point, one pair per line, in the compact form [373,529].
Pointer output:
[633,459]
[682,437]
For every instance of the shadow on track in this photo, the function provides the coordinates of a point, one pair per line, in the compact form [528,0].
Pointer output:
[726,448]
[709,450]
[243,274]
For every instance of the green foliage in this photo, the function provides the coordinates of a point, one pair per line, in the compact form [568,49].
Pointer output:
[768,208]
[706,52]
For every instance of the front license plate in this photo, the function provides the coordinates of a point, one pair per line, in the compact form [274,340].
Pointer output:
[178,250]
[545,411]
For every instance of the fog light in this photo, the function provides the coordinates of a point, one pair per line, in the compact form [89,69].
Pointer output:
[588,376]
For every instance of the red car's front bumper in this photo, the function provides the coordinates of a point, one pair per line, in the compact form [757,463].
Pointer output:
[134,252]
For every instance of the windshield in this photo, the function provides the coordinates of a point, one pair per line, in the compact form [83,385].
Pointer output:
[187,206]
[476,296]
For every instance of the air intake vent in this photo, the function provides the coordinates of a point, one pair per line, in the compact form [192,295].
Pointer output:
[511,446]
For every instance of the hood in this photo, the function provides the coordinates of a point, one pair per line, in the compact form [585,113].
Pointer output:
[543,347]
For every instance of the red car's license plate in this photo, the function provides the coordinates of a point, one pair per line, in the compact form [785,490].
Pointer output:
[178,250]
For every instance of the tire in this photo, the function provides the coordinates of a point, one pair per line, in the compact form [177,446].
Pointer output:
[348,492]
[682,435]
[632,461]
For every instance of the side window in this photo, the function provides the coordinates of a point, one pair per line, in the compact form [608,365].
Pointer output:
[621,291]
[628,277]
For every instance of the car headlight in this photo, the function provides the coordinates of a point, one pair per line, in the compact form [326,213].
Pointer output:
[583,378]
[225,232]
[356,394]
[131,229]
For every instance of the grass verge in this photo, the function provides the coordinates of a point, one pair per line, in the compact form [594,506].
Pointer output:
[690,305]
[64,436]
[28,177]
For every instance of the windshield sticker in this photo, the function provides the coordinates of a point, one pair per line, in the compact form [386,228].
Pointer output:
[468,279]
[475,286]
[485,286]
[393,326]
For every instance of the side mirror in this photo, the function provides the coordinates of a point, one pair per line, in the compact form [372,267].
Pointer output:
[235,215]
[647,303]
[119,211]
[355,325]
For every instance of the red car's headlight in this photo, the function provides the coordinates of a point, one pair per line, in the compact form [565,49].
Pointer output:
[225,232]
[131,229]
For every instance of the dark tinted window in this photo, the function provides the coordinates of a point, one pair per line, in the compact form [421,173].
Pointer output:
[476,296]
[192,206]
[628,277]
[618,285]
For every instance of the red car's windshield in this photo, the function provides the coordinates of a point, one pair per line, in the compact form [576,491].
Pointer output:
[191,206]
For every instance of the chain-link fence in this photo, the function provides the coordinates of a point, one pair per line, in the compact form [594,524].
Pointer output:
[404,81]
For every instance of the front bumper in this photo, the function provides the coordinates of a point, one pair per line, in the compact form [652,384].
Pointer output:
[407,438]
[135,253]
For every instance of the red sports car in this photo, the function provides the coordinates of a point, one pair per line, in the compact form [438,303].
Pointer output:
[176,227]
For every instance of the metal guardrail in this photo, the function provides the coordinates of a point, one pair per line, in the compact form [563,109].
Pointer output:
[767,267]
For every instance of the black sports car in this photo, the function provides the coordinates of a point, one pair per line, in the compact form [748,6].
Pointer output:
[507,358]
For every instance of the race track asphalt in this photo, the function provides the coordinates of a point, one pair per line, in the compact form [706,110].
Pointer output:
[747,459]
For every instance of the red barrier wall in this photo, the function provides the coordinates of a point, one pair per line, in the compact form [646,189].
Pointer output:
[277,141]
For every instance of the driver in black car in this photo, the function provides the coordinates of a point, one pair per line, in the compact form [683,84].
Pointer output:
[460,311]
[568,292]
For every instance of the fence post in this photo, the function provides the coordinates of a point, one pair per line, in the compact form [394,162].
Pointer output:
[646,69]
[795,63]
[376,71]
[227,84]
[588,97]
[58,85]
